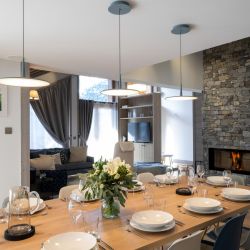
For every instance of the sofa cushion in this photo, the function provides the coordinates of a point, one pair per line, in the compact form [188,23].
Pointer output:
[44,163]
[56,157]
[78,154]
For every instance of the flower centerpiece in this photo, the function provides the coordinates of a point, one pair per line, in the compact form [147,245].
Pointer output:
[109,180]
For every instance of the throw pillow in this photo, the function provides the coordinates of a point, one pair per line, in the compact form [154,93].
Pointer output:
[43,163]
[78,154]
[56,157]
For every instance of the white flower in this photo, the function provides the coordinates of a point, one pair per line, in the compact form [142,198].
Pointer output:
[117,176]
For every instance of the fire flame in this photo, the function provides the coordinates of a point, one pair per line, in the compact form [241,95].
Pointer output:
[236,160]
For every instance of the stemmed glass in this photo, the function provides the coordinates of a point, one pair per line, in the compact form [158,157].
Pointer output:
[200,171]
[227,176]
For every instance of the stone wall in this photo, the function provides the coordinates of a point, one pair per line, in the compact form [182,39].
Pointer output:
[226,105]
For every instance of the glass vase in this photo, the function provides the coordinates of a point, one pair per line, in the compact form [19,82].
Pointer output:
[110,208]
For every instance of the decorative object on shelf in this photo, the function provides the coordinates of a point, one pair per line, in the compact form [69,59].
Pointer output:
[34,95]
[180,30]
[109,180]
[119,8]
[23,81]
[3,100]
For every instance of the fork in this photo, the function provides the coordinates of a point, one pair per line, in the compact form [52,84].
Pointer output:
[130,230]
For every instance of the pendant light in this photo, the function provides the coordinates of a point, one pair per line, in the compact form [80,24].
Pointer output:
[23,81]
[180,30]
[119,8]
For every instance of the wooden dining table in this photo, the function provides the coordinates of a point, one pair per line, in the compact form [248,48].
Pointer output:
[55,219]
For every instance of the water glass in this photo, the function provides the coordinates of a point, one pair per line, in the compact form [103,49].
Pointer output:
[3,216]
[92,222]
[200,170]
[227,175]
[81,184]
[202,193]
[160,204]
[75,212]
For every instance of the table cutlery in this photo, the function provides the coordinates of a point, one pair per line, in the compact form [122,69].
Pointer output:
[131,230]
[103,244]
[178,222]
[184,212]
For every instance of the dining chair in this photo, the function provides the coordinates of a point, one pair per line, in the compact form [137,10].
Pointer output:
[191,242]
[65,192]
[228,236]
[145,177]
[125,150]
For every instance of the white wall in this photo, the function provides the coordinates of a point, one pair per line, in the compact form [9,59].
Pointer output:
[10,145]
[177,126]
[166,74]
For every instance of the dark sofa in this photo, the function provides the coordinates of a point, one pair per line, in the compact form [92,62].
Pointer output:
[49,182]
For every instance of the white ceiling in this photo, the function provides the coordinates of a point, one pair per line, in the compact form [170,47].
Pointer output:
[81,37]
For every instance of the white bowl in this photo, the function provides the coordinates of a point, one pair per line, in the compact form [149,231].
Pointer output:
[70,241]
[237,193]
[203,204]
[216,179]
[152,218]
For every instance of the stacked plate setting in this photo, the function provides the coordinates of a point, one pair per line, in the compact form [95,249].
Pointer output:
[203,205]
[138,186]
[152,221]
[236,194]
[163,178]
[216,181]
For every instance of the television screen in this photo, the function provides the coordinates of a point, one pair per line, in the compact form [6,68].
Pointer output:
[139,131]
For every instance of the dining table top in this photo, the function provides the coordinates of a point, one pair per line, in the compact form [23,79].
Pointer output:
[55,219]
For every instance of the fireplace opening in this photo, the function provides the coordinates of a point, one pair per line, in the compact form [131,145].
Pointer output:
[238,161]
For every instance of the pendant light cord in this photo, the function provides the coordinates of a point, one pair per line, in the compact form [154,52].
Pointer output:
[180,67]
[119,37]
[23,61]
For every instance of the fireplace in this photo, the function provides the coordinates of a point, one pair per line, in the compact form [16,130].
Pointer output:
[238,161]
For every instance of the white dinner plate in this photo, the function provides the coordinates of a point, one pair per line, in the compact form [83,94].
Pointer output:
[164,179]
[153,230]
[237,193]
[233,198]
[216,179]
[70,241]
[78,196]
[152,218]
[32,201]
[139,187]
[217,184]
[203,204]
[214,211]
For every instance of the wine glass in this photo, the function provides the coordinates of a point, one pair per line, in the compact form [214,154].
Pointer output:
[227,176]
[200,171]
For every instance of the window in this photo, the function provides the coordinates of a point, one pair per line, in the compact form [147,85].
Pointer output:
[90,88]
[103,133]
[39,137]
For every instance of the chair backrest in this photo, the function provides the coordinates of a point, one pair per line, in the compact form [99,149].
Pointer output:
[239,178]
[145,177]
[65,192]
[229,237]
[191,242]
[127,156]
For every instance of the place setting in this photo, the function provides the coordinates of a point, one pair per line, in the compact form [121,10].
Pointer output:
[236,194]
[220,181]
[202,205]
[152,221]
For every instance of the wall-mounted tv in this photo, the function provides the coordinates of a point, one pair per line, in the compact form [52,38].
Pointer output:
[139,131]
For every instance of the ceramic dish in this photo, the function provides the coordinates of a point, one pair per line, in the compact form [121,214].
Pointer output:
[237,193]
[214,211]
[203,204]
[152,218]
[234,199]
[70,240]
[153,230]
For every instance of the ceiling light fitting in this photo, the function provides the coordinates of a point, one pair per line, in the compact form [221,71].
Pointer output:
[180,30]
[119,8]
[23,81]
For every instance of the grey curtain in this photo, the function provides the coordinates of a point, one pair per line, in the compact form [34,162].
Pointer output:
[53,109]
[85,120]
